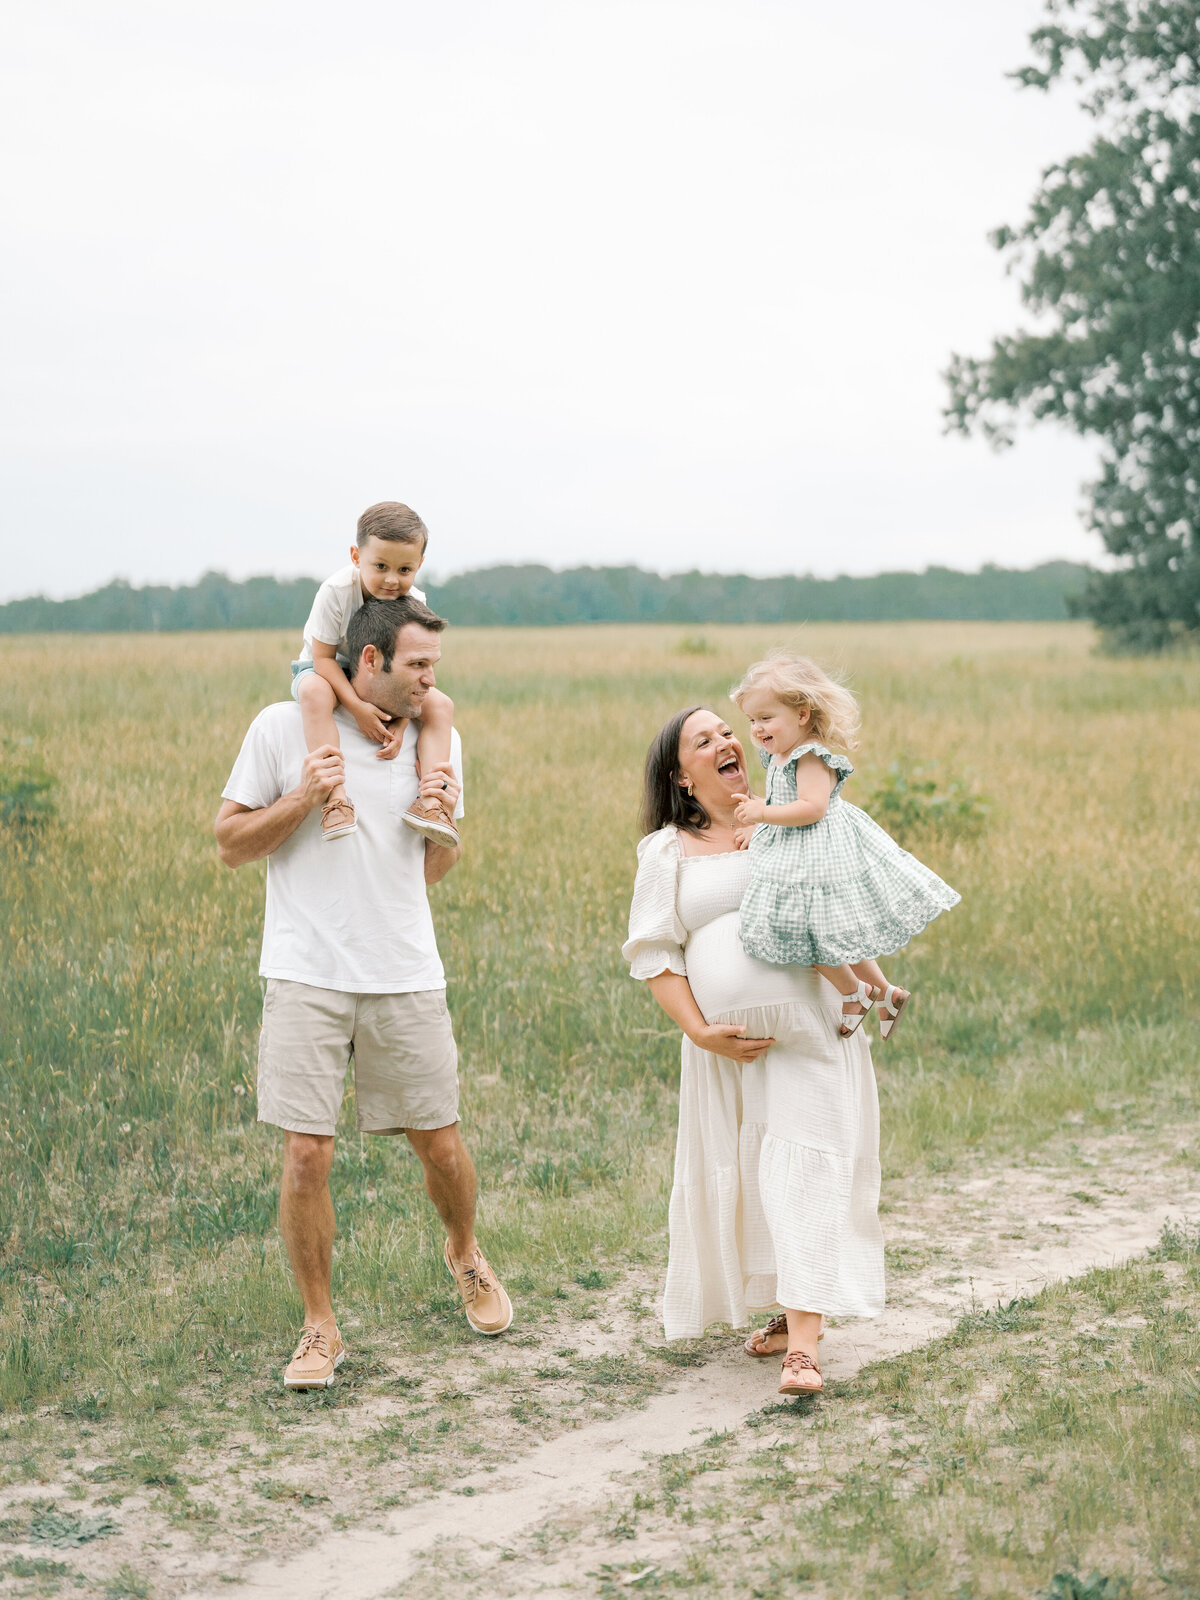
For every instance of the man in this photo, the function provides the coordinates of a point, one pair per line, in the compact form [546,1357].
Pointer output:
[352,967]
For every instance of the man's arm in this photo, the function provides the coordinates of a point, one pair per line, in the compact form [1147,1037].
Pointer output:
[244,834]
[440,785]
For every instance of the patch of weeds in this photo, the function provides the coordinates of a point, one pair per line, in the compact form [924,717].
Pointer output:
[1018,1316]
[592,1278]
[695,644]
[1085,1198]
[67,1529]
[272,1489]
[674,1356]
[1070,1586]
[1177,1243]
[85,1407]
[391,1437]
[34,1567]
[637,1578]
[615,1372]
[126,1585]
[782,1578]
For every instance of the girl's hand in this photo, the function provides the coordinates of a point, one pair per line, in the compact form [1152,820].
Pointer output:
[750,809]
[728,1039]
[372,721]
[742,838]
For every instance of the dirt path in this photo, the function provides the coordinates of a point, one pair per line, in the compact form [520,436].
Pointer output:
[996,1236]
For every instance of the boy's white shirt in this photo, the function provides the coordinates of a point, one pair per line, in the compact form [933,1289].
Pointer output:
[338,598]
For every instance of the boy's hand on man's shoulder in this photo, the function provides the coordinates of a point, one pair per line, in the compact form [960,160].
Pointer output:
[372,721]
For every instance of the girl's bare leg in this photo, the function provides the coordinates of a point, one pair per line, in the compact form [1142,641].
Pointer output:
[846,983]
[317,705]
[870,972]
[842,978]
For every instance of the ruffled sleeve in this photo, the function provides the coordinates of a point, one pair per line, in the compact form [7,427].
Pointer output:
[840,766]
[656,935]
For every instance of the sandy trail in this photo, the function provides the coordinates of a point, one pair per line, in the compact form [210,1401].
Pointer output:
[997,1236]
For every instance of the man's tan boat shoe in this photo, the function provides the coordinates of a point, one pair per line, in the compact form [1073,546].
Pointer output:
[337,819]
[428,819]
[318,1356]
[488,1308]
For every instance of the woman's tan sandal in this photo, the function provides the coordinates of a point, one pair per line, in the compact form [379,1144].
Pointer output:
[761,1337]
[891,1009]
[337,819]
[852,1021]
[796,1367]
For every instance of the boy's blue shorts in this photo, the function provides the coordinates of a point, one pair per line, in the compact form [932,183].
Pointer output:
[299,668]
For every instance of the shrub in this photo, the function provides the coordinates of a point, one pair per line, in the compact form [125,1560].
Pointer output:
[26,788]
[913,802]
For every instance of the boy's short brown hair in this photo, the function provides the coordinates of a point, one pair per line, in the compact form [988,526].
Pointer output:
[390,520]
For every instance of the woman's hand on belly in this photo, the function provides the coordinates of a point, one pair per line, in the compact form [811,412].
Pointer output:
[728,1039]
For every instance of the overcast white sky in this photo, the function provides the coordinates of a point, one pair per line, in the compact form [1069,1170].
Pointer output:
[658,281]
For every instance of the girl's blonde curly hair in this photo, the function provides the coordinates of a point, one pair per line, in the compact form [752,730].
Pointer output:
[799,682]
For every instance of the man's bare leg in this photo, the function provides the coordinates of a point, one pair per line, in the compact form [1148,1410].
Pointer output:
[306,1219]
[450,1180]
[450,1184]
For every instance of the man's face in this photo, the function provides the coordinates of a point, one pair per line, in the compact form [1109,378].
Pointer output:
[401,691]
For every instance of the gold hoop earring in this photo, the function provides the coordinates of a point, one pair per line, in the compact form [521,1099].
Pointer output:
[688,787]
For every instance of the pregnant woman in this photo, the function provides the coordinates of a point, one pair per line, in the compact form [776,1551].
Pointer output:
[777,1162]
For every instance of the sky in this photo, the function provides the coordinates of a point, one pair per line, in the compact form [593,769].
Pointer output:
[665,282]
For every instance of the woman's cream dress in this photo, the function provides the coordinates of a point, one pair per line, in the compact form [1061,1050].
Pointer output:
[776,1192]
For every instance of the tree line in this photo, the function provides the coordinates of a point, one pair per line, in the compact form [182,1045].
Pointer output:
[530,596]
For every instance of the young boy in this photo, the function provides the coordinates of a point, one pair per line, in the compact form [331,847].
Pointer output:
[383,564]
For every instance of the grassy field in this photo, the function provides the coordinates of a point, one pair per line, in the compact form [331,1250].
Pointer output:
[142,1292]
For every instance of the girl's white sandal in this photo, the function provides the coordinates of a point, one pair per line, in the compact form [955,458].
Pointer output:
[891,1009]
[852,1021]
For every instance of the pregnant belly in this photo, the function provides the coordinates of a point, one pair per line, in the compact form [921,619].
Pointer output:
[725,980]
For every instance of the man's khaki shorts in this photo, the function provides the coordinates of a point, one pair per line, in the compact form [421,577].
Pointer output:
[405,1059]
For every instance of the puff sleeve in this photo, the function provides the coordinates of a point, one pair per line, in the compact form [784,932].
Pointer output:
[656,935]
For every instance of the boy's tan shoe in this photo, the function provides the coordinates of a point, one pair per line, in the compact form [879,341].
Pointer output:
[428,819]
[337,818]
[488,1308]
[318,1356]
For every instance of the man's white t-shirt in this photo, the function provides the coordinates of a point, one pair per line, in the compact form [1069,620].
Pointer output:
[335,603]
[348,913]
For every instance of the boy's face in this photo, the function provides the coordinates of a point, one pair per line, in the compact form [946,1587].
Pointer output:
[387,568]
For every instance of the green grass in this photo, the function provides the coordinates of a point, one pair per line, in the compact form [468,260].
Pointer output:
[142,1289]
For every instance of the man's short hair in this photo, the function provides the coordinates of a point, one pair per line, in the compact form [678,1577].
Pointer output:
[379,621]
[390,520]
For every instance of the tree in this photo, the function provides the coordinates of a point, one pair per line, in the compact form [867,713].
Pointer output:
[1109,255]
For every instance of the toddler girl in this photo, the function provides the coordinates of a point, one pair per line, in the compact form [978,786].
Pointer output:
[828,887]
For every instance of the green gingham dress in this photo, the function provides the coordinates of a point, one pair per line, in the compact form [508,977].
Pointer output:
[840,889]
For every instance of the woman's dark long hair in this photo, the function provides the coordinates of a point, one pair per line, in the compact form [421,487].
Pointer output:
[663,800]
